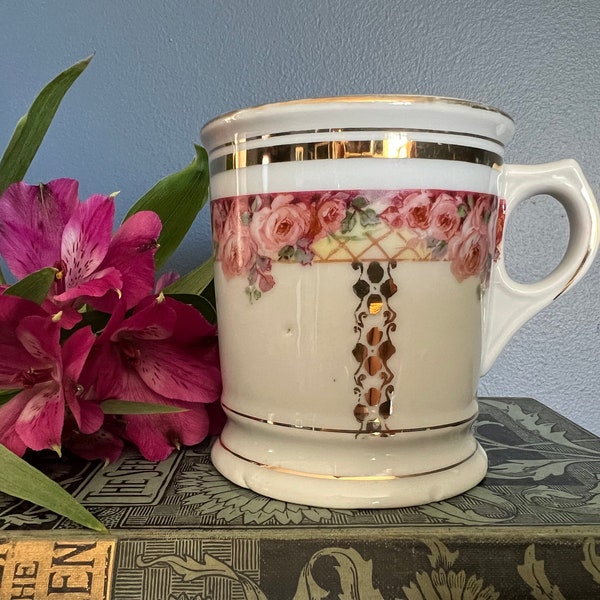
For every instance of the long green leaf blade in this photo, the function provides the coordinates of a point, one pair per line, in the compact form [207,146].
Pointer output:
[32,126]
[18,478]
[195,281]
[34,287]
[176,199]
[127,407]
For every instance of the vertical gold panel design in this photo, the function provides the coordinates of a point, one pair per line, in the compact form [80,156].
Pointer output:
[374,323]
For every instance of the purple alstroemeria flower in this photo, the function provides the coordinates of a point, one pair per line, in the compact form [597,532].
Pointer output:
[166,353]
[33,360]
[47,226]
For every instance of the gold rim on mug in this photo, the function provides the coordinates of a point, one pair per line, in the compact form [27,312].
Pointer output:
[354,431]
[358,99]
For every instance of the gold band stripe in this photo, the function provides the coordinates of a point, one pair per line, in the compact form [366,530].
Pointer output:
[353,431]
[340,130]
[339,149]
[347,477]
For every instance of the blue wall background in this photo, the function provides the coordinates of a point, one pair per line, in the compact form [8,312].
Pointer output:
[163,68]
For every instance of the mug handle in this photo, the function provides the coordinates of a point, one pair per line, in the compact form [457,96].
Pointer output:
[510,304]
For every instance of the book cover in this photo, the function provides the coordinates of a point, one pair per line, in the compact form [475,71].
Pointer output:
[180,531]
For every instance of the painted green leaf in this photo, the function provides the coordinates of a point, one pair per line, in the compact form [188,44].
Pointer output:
[35,286]
[359,202]
[194,282]
[32,126]
[176,199]
[128,407]
[19,479]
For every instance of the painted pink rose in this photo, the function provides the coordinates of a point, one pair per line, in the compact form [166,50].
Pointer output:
[500,228]
[393,216]
[444,217]
[469,255]
[416,210]
[330,211]
[237,251]
[235,247]
[478,218]
[279,225]
[219,214]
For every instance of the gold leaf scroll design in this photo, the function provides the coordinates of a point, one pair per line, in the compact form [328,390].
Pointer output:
[375,320]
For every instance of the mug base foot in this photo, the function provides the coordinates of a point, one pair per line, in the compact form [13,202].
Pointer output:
[355,492]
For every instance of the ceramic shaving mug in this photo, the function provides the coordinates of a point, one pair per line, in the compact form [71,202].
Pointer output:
[361,290]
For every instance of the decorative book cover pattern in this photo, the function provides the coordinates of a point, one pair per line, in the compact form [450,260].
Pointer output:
[180,531]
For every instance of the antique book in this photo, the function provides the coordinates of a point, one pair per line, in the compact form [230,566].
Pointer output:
[180,531]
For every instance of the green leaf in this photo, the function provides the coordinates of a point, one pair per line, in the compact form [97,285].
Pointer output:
[286,253]
[95,319]
[359,202]
[176,199]
[368,217]
[35,286]
[348,222]
[195,281]
[18,478]
[32,126]
[6,395]
[129,407]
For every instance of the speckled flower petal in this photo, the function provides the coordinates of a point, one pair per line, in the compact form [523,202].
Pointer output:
[40,423]
[32,219]
[86,238]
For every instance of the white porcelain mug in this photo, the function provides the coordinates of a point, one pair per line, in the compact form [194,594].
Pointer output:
[361,290]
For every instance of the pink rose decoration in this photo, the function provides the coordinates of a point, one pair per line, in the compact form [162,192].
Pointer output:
[236,248]
[393,216]
[219,213]
[330,212]
[282,224]
[444,217]
[237,252]
[416,210]
[500,228]
[469,255]
[478,218]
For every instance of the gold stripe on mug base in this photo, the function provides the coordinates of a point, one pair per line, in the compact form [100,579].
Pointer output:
[343,149]
[286,471]
[353,431]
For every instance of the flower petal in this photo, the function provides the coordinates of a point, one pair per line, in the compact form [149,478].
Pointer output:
[132,251]
[32,219]
[157,436]
[104,444]
[151,320]
[191,323]
[9,413]
[14,358]
[88,415]
[40,336]
[181,373]
[86,237]
[41,421]
[75,351]
[97,286]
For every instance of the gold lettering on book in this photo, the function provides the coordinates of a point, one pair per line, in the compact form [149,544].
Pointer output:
[51,569]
